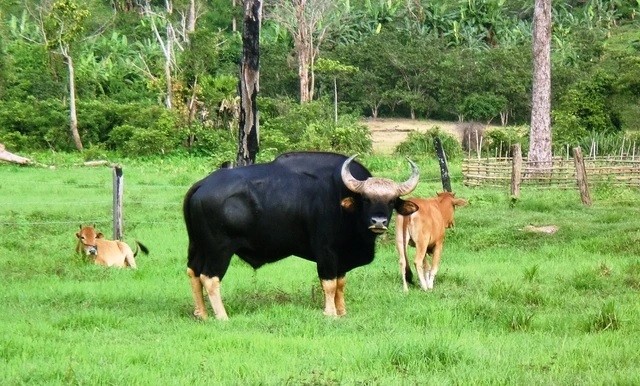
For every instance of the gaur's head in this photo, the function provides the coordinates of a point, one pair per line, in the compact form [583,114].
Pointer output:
[380,196]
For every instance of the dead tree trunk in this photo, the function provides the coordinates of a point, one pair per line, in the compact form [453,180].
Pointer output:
[248,136]
[10,157]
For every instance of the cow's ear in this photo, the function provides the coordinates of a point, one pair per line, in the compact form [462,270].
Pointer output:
[405,207]
[348,204]
[99,235]
[78,235]
[460,202]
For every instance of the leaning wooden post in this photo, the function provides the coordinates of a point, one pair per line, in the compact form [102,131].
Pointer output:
[581,176]
[118,189]
[444,170]
[516,170]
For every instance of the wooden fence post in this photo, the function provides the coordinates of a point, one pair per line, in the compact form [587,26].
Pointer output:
[581,176]
[444,170]
[516,170]
[118,189]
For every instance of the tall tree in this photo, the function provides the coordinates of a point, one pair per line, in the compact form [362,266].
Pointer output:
[62,24]
[308,23]
[540,134]
[248,138]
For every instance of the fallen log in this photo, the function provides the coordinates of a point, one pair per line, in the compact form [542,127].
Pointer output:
[10,157]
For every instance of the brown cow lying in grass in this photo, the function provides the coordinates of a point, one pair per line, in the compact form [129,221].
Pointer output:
[111,253]
[425,229]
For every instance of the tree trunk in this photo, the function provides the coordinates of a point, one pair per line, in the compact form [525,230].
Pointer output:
[167,66]
[233,20]
[540,134]
[335,100]
[248,136]
[10,157]
[191,17]
[303,74]
[73,116]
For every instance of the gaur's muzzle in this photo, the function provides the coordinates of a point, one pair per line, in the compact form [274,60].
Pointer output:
[378,224]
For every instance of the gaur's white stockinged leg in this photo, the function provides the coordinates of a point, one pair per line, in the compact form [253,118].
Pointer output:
[200,310]
[212,285]
[341,308]
[329,287]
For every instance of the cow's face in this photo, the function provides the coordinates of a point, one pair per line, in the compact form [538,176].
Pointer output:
[380,196]
[87,237]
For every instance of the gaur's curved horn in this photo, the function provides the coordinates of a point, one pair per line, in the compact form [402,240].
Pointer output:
[350,182]
[410,184]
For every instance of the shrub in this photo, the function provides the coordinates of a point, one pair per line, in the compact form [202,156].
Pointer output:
[41,123]
[15,140]
[348,136]
[213,142]
[421,144]
[161,137]
[482,107]
[499,140]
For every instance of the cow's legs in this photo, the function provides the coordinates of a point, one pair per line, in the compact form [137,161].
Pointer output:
[341,308]
[330,288]
[403,269]
[130,260]
[431,276]
[200,310]
[402,238]
[212,285]
[421,251]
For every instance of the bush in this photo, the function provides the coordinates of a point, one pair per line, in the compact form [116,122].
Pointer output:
[347,137]
[288,125]
[163,136]
[499,140]
[482,107]
[15,141]
[421,144]
[209,141]
[36,124]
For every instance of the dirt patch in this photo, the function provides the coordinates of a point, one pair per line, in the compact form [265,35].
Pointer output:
[387,133]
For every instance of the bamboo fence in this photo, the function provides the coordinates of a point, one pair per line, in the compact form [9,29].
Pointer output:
[497,171]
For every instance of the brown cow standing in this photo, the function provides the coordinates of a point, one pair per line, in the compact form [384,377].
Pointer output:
[111,253]
[425,229]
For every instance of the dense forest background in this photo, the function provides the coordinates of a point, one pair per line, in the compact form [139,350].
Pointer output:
[160,77]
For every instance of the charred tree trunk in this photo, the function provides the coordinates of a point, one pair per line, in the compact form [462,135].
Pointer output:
[444,169]
[248,136]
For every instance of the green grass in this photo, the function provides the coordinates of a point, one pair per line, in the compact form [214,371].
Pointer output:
[508,307]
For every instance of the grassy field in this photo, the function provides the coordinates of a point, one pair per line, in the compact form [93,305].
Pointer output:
[509,306]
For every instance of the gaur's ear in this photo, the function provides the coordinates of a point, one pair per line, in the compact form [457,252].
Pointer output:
[405,207]
[99,235]
[348,204]
[78,235]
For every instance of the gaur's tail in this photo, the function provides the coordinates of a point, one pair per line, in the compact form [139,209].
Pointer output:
[140,247]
